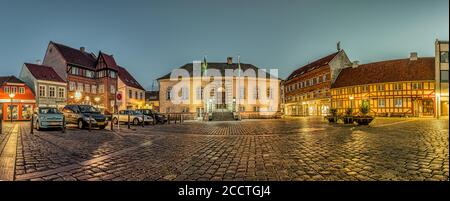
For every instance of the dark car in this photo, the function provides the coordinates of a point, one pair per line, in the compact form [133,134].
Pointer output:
[158,117]
[81,115]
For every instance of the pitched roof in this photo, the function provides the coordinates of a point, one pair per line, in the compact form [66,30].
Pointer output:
[10,79]
[220,66]
[75,56]
[128,79]
[109,61]
[42,72]
[387,71]
[313,65]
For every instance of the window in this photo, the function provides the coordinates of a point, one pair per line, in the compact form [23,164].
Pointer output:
[87,88]
[52,91]
[130,93]
[75,71]
[21,90]
[72,86]
[444,57]
[136,95]
[398,102]
[112,74]
[6,90]
[113,89]
[398,87]
[380,87]
[94,89]
[90,74]
[141,96]
[169,93]
[14,90]
[381,102]
[101,73]
[80,87]
[185,93]
[61,92]
[101,88]
[363,88]
[417,85]
[444,75]
[42,91]
[324,78]
[255,109]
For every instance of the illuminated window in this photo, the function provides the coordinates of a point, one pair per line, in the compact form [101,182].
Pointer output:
[398,87]
[381,103]
[21,90]
[6,89]
[380,87]
[398,102]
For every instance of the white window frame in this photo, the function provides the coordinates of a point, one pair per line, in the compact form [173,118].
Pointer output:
[63,92]
[50,91]
[42,93]
[21,90]
[381,102]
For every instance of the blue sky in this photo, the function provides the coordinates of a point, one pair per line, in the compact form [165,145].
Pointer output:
[152,37]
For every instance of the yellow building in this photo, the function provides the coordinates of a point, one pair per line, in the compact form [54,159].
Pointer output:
[152,100]
[403,87]
[133,94]
[214,91]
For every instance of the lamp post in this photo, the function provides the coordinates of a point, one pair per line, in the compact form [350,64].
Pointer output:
[11,95]
[234,104]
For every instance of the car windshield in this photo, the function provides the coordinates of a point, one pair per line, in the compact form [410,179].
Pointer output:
[146,112]
[136,112]
[88,109]
[49,111]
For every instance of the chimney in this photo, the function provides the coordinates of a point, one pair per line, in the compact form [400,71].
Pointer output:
[229,60]
[82,49]
[38,62]
[355,64]
[413,56]
[338,46]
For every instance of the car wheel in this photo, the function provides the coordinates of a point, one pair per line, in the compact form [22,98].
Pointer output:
[136,121]
[80,124]
[102,127]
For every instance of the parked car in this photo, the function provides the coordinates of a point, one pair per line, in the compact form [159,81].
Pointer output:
[136,117]
[82,114]
[48,117]
[159,117]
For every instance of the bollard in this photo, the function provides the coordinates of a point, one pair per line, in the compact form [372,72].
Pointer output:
[64,125]
[32,126]
[143,119]
[181,119]
[112,122]
[1,125]
[154,119]
[168,118]
[176,117]
[90,123]
[129,124]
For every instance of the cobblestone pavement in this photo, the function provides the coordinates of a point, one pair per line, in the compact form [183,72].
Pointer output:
[288,149]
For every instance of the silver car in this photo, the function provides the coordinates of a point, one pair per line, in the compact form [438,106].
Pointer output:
[136,118]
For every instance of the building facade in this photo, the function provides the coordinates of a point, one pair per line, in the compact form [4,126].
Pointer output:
[152,100]
[90,79]
[17,100]
[227,95]
[132,92]
[441,74]
[48,86]
[403,87]
[307,90]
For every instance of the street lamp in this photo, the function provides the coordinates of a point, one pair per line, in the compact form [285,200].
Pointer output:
[234,104]
[11,95]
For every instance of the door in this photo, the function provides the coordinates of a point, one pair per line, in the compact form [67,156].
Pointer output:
[417,107]
[428,107]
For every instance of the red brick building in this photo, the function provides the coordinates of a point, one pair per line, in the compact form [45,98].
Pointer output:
[90,79]
[21,106]
[307,90]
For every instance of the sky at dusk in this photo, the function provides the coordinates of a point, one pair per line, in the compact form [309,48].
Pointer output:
[152,37]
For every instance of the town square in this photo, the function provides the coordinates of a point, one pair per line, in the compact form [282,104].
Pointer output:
[245,92]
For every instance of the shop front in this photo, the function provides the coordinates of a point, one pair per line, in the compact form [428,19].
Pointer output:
[18,111]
